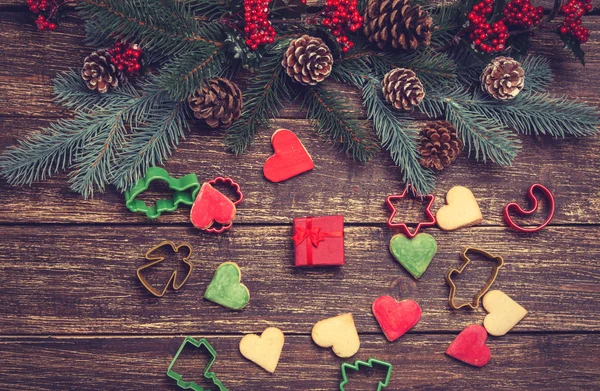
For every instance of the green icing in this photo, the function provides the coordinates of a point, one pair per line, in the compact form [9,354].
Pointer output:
[415,254]
[225,288]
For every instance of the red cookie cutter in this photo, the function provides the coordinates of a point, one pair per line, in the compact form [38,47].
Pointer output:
[240,197]
[403,227]
[534,201]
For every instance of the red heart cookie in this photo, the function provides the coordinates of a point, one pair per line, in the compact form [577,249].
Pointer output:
[395,318]
[469,346]
[211,206]
[290,157]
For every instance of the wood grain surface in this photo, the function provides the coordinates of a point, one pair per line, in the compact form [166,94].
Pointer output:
[75,317]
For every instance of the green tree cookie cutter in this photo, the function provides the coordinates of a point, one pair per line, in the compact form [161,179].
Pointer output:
[369,364]
[190,385]
[184,189]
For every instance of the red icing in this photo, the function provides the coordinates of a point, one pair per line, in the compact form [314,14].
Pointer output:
[290,157]
[319,241]
[211,206]
[469,346]
[396,318]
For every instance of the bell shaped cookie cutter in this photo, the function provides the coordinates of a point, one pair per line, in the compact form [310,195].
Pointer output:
[465,261]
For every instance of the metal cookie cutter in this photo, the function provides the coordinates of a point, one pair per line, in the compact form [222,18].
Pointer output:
[369,364]
[190,385]
[403,227]
[534,207]
[240,197]
[157,259]
[465,261]
[184,189]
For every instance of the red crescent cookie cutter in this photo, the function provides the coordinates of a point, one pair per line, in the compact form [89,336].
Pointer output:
[403,227]
[240,196]
[534,201]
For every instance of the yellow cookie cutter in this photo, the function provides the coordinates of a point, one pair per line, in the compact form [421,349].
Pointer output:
[465,261]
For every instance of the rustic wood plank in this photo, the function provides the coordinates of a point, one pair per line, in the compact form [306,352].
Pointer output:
[519,362]
[337,185]
[81,279]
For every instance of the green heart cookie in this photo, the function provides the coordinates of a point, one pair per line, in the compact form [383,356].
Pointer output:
[414,254]
[225,288]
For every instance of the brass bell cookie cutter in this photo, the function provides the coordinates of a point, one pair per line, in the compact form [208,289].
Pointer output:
[465,261]
[172,281]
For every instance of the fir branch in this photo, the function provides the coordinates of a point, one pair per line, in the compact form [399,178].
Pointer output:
[151,144]
[392,128]
[326,113]
[446,21]
[484,136]
[542,114]
[538,75]
[263,99]
[209,9]
[184,74]
[164,26]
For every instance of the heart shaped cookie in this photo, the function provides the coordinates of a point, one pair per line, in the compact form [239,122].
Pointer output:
[211,206]
[469,346]
[395,317]
[290,157]
[264,350]
[338,333]
[226,289]
[504,313]
[461,210]
[414,254]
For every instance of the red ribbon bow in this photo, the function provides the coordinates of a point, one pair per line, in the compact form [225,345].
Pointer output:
[313,237]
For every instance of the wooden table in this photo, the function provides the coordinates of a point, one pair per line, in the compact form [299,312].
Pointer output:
[74,316]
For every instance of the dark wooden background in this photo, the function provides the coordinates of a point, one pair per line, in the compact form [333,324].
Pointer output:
[73,316]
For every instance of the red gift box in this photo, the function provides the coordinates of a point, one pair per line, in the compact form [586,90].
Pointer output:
[319,241]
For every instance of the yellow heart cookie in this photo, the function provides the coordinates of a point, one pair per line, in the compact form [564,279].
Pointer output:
[504,313]
[461,210]
[338,333]
[264,350]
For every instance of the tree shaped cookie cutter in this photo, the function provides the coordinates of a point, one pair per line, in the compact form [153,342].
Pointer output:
[190,385]
[157,259]
[402,226]
[465,261]
[368,364]
[184,189]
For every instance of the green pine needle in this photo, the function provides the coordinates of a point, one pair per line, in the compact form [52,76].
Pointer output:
[327,115]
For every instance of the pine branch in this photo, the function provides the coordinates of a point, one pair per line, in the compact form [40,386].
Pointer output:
[392,128]
[538,75]
[484,136]
[326,113]
[542,114]
[263,98]
[165,26]
[151,144]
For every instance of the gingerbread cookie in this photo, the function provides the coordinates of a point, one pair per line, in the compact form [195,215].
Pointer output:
[338,333]
[226,288]
[263,350]
[461,210]
[503,313]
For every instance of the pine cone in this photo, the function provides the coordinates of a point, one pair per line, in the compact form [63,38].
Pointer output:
[402,89]
[503,78]
[99,73]
[438,145]
[397,22]
[218,102]
[308,60]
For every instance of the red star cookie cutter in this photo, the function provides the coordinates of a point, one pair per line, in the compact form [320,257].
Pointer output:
[402,226]
[534,207]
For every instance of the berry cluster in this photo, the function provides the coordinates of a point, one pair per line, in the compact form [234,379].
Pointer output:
[258,29]
[341,16]
[47,11]
[487,37]
[573,11]
[520,13]
[127,58]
